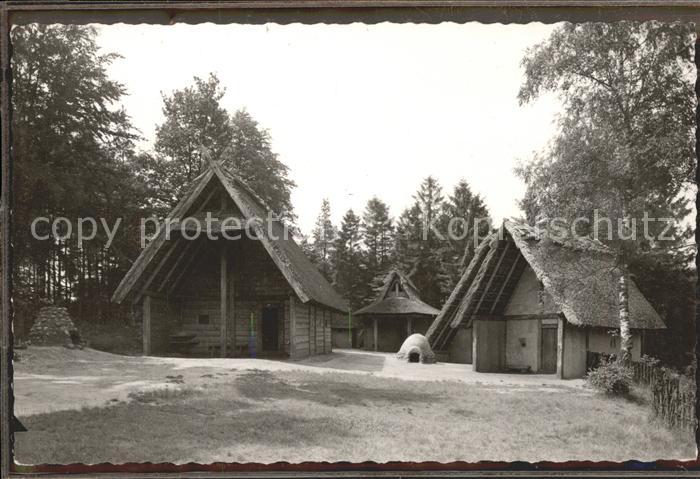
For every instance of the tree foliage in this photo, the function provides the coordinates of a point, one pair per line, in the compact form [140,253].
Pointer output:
[323,236]
[350,265]
[625,143]
[468,223]
[249,155]
[195,118]
[625,139]
[421,244]
[378,237]
[73,152]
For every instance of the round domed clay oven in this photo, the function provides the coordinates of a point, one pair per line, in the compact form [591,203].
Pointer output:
[416,349]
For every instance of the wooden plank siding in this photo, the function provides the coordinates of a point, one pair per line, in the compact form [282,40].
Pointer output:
[301,338]
[159,323]
[253,283]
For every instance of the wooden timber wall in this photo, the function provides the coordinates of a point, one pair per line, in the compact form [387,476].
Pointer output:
[312,329]
[254,283]
[157,314]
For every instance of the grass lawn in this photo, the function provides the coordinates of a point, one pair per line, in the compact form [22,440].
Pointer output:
[268,416]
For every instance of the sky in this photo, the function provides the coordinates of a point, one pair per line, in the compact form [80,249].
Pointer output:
[357,110]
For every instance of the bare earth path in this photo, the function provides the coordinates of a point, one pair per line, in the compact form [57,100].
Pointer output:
[55,378]
[89,406]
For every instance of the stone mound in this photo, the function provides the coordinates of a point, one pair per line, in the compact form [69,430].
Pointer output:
[416,349]
[54,327]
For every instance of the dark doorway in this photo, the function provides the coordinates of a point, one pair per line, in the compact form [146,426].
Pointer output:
[548,353]
[270,328]
[414,357]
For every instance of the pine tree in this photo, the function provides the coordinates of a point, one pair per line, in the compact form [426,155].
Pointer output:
[378,237]
[468,223]
[421,245]
[350,273]
[323,236]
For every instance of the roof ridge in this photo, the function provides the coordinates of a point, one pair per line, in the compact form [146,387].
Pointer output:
[536,233]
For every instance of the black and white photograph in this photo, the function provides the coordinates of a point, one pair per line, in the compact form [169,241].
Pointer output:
[267,242]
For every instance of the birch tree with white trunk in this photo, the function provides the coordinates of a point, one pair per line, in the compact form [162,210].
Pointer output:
[625,143]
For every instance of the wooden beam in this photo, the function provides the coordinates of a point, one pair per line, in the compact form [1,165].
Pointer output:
[308,312]
[323,323]
[493,275]
[154,294]
[182,256]
[223,280]
[292,326]
[315,330]
[514,317]
[206,200]
[503,286]
[476,354]
[187,265]
[184,251]
[152,248]
[560,348]
[146,325]
[260,232]
[232,301]
[374,326]
[155,272]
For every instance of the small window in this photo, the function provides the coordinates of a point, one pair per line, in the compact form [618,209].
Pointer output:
[203,319]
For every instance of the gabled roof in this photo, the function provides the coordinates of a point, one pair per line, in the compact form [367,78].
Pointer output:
[385,303]
[579,274]
[306,281]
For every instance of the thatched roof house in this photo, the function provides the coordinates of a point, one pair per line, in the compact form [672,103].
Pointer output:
[523,282]
[247,269]
[396,313]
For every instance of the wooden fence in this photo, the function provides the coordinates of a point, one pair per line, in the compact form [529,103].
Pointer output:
[673,395]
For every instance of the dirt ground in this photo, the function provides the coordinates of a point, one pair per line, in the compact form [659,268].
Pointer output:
[92,407]
[55,378]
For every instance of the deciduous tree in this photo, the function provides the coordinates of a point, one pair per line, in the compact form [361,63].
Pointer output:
[625,144]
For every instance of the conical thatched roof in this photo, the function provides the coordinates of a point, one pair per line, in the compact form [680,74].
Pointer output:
[579,274]
[406,302]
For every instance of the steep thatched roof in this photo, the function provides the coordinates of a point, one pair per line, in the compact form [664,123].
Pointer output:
[386,303]
[306,281]
[579,274]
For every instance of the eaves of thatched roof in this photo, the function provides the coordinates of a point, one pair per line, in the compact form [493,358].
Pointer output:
[303,277]
[581,276]
[385,304]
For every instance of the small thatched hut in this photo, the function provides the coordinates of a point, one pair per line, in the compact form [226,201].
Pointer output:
[531,302]
[244,288]
[396,313]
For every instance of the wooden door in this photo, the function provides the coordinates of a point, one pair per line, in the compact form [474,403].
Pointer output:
[270,328]
[548,351]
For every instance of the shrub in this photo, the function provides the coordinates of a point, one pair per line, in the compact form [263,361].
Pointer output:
[611,377]
[118,337]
